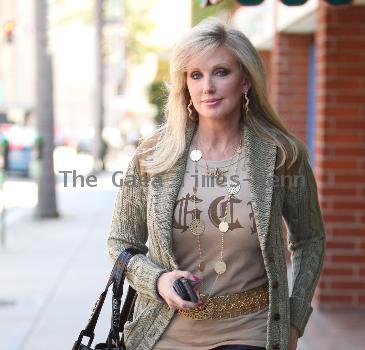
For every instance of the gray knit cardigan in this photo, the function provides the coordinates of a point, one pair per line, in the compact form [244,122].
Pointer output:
[144,210]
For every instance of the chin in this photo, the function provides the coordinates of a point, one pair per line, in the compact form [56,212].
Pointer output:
[214,114]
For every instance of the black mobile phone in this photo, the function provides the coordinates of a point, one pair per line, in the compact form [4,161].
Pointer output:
[184,288]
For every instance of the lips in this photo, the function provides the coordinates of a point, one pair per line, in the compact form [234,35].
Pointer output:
[211,100]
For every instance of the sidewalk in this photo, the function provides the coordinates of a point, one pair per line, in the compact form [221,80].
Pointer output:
[52,272]
[333,330]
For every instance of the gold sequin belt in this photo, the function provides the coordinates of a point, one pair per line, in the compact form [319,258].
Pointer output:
[231,305]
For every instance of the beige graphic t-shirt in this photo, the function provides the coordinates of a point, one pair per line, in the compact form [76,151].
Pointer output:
[242,254]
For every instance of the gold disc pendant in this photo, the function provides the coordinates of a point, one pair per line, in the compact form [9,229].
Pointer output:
[202,266]
[223,226]
[197,227]
[195,155]
[220,267]
[233,188]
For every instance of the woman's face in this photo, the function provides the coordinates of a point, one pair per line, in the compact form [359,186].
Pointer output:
[216,83]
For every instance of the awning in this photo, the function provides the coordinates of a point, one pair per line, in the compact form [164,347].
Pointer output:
[206,3]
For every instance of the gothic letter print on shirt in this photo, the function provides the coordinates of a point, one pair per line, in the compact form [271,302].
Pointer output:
[216,218]
[181,212]
[212,208]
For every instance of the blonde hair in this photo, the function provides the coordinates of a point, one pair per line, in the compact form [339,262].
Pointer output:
[169,138]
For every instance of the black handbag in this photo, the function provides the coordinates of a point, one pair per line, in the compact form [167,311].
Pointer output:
[115,339]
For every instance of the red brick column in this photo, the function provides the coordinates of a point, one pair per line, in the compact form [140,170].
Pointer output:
[289,80]
[340,152]
[266,60]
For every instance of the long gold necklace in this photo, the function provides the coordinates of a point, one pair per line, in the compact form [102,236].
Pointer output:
[197,225]
[215,172]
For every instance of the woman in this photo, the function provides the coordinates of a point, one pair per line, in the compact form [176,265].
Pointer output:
[209,190]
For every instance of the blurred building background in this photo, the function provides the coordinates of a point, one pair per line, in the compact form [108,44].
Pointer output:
[72,44]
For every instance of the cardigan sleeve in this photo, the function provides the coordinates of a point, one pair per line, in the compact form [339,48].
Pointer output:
[306,242]
[128,229]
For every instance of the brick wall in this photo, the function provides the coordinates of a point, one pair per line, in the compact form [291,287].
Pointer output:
[289,80]
[340,152]
[266,60]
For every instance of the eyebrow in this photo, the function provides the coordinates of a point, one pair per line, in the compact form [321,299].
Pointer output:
[215,66]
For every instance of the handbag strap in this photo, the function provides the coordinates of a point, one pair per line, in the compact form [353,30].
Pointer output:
[116,279]
[127,309]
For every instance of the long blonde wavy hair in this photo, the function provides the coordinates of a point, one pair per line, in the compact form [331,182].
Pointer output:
[169,138]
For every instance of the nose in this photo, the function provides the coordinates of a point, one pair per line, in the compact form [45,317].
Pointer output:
[208,87]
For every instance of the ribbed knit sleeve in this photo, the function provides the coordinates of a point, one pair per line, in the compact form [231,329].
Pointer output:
[128,229]
[306,232]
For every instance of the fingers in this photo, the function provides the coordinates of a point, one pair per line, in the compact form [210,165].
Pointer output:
[187,275]
[175,301]
[180,303]
[183,304]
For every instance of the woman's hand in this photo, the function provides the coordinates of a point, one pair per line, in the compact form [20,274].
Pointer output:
[294,334]
[167,292]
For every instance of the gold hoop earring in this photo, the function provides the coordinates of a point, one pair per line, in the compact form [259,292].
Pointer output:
[246,102]
[190,111]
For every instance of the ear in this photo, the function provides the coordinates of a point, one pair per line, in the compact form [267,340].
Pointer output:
[246,85]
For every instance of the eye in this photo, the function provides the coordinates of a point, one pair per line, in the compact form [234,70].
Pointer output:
[195,75]
[222,72]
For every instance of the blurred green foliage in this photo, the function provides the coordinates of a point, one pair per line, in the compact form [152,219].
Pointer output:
[80,12]
[157,96]
[198,13]
[133,15]
[138,26]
